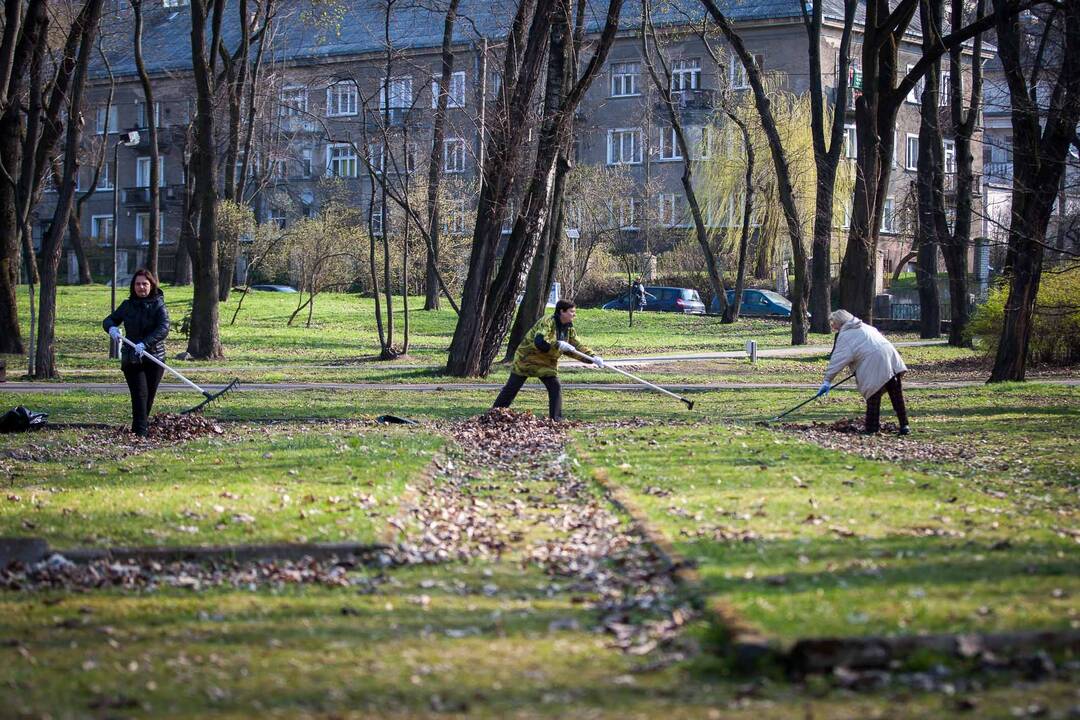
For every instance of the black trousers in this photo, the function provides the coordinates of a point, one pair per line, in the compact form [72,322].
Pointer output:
[896,397]
[142,379]
[514,383]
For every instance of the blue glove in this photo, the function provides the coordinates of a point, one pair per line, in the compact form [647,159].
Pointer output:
[114,333]
[139,349]
[824,389]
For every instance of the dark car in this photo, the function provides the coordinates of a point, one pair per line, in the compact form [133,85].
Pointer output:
[274,288]
[663,299]
[758,303]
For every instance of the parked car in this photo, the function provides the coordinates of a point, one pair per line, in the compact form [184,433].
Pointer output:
[664,299]
[274,288]
[758,303]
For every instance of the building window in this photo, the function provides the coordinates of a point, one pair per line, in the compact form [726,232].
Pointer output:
[915,94]
[410,158]
[912,152]
[454,155]
[847,216]
[105,178]
[174,3]
[629,214]
[851,143]
[454,222]
[705,143]
[888,216]
[495,82]
[277,217]
[624,146]
[305,162]
[399,91]
[624,79]
[144,122]
[943,89]
[950,155]
[142,172]
[737,77]
[101,125]
[341,99]
[101,229]
[377,219]
[669,144]
[340,160]
[293,101]
[376,157]
[666,209]
[142,228]
[455,96]
[686,74]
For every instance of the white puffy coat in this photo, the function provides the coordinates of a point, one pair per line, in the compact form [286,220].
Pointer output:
[870,356]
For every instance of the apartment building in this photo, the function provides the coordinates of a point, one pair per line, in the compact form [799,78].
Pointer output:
[329,109]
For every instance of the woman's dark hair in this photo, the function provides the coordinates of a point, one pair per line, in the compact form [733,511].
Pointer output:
[149,276]
[564,305]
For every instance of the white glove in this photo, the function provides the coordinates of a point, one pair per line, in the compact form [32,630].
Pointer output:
[566,347]
[114,333]
[139,348]
[599,361]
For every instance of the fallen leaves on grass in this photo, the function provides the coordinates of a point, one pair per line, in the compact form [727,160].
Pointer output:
[847,435]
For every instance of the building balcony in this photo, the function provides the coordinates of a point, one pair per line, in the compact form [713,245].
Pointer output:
[299,124]
[976,184]
[998,171]
[138,198]
[392,118]
[692,105]
[168,136]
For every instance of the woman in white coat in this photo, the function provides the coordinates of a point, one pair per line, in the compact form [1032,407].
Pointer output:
[877,366]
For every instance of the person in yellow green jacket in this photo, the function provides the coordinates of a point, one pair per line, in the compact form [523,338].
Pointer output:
[538,356]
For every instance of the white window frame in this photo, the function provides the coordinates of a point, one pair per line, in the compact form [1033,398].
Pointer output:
[629,210]
[666,209]
[142,114]
[949,156]
[105,179]
[669,144]
[624,79]
[943,88]
[348,158]
[705,142]
[342,99]
[888,216]
[378,224]
[400,91]
[376,158]
[914,96]
[95,224]
[100,122]
[622,135]
[851,141]
[142,171]
[454,155]
[911,159]
[686,74]
[454,222]
[455,94]
[142,222]
[307,165]
[293,101]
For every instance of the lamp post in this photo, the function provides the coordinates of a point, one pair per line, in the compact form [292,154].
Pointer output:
[128,139]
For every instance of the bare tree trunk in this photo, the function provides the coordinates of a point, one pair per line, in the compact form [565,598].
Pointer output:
[748,210]
[930,180]
[204,340]
[431,284]
[81,36]
[800,294]
[1041,143]
[826,156]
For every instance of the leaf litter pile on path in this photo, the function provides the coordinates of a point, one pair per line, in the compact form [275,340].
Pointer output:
[510,490]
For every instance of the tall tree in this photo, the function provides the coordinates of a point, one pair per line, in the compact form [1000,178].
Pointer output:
[1041,138]
[76,58]
[826,155]
[800,293]
[660,72]
[150,118]
[435,166]
[487,305]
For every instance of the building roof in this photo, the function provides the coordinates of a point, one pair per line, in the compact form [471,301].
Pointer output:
[301,36]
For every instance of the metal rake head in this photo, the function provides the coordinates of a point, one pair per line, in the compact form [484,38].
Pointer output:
[211,397]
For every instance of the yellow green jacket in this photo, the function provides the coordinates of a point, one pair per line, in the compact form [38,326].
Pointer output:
[531,360]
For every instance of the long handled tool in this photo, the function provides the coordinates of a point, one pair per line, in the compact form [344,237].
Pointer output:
[646,383]
[804,402]
[208,396]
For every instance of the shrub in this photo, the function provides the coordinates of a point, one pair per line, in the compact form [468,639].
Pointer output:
[1055,335]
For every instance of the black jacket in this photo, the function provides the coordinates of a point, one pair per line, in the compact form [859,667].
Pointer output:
[145,320]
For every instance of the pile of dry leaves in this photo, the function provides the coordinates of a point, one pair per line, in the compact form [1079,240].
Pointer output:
[59,573]
[510,473]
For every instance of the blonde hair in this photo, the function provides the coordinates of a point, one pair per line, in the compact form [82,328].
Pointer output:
[840,317]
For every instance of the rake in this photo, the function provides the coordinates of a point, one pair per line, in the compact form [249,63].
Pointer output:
[208,397]
[646,383]
[804,402]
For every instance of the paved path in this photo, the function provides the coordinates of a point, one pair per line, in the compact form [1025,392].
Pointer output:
[34,387]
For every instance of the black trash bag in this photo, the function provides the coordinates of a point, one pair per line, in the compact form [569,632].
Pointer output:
[22,419]
[394,420]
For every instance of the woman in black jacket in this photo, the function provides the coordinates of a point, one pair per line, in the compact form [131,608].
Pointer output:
[146,321]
